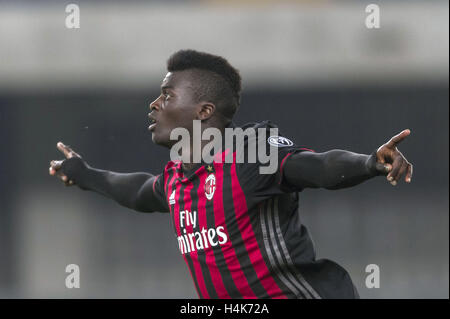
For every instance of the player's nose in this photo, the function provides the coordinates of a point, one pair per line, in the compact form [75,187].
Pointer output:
[155,105]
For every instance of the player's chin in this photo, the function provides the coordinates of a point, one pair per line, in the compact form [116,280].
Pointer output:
[155,138]
[159,140]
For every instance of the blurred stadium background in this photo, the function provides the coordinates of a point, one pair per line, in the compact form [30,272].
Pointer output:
[310,66]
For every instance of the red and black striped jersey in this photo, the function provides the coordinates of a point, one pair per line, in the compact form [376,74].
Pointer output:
[239,231]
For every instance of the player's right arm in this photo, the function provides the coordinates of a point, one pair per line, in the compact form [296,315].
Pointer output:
[133,190]
[338,169]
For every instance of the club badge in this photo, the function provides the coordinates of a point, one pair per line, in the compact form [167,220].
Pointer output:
[210,186]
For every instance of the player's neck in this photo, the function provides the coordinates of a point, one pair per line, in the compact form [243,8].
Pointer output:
[188,166]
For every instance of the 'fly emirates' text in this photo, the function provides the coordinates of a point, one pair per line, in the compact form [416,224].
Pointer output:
[199,240]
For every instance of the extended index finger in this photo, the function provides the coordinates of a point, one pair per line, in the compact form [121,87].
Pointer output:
[394,141]
[66,150]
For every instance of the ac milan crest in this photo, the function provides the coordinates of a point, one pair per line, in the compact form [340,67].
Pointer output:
[210,186]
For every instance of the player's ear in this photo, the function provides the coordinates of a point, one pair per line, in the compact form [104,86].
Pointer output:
[206,110]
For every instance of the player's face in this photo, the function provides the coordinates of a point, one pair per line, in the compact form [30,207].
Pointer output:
[175,107]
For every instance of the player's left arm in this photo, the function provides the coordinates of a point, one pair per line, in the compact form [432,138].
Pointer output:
[337,169]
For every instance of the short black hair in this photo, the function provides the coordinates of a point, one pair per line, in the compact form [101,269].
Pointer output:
[216,80]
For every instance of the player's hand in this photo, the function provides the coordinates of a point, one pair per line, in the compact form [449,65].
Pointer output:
[391,162]
[55,165]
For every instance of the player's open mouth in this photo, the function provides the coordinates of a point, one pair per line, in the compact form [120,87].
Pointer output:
[152,126]
[152,123]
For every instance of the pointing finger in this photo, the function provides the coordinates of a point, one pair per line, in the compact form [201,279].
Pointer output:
[66,150]
[63,149]
[394,141]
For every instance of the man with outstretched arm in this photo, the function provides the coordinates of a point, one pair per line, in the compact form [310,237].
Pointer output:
[238,230]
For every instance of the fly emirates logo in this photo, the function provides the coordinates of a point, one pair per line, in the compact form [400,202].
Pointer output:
[198,240]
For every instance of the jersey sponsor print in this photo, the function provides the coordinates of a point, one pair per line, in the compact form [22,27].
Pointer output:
[239,231]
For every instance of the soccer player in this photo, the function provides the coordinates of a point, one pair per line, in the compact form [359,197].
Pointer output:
[237,229]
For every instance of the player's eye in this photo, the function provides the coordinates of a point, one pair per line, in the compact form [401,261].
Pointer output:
[166,95]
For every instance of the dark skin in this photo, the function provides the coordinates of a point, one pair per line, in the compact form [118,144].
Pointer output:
[176,107]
